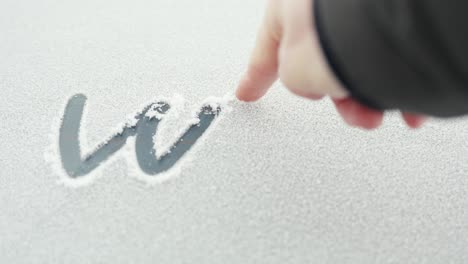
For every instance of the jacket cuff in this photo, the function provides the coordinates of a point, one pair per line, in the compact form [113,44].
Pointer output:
[336,26]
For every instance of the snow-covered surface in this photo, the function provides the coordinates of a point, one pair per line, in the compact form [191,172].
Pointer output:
[279,181]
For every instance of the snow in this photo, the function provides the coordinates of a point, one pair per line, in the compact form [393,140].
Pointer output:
[216,106]
[280,180]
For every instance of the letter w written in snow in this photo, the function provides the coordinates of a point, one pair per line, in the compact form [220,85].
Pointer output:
[144,131]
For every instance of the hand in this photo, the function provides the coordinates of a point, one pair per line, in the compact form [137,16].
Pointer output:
[287,47]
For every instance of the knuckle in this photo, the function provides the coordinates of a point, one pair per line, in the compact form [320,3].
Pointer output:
[292,80]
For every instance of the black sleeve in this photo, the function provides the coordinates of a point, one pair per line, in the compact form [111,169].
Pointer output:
[410,55]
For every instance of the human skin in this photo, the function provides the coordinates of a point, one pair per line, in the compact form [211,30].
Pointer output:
[287,47]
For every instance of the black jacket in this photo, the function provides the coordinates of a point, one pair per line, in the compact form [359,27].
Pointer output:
[410,55]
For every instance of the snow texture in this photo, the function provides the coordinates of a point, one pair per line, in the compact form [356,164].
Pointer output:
[177,105]
[283,180]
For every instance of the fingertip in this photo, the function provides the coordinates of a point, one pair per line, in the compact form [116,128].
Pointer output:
[245,96]
[246,92]
[413,120]
[256,82]
[355,114]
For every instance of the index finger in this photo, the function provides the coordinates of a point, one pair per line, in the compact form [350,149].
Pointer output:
[263,66]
